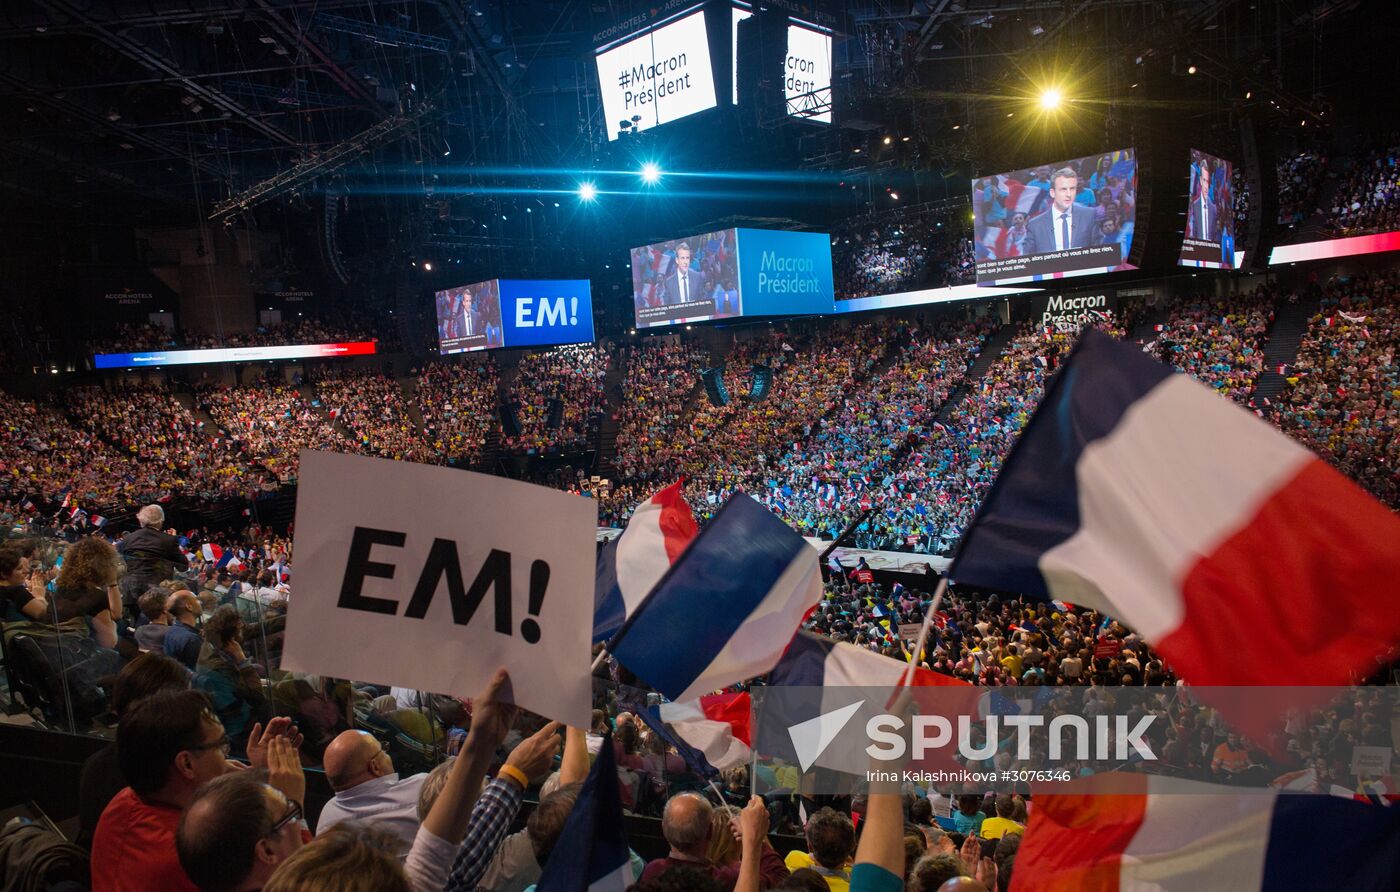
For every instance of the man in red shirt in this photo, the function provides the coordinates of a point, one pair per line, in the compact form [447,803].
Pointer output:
[168,745]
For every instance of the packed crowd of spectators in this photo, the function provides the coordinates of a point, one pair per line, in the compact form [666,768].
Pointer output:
[1368,196]
[1300,176]
[658,375]
[161,437]
[271,423]
[571,375]
[372,406]
[1220,340]
[458,403]
[729,448]
[931,497]
[846,465]
[43,454]
[1342,395]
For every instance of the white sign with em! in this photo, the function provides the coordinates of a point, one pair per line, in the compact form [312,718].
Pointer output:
[431,578]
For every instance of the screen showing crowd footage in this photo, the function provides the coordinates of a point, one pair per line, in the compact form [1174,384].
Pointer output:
[469,318]
[692,279]
[1210,215]
[1065,218]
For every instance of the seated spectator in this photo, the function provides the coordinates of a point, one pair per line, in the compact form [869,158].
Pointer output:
[168,745]
[87,587]
[151,605]
[102,778]
[1004,822]
[361,773]
[969,817]
[226,674]
[240,827]
[350,857]
[831,841]
[182,639]
[687,826]
[22,595]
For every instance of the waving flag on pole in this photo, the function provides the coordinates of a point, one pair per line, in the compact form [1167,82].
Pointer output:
[1238,554]
[715,731]
[591,854]
[630,565]
[727,609]
[1125,833]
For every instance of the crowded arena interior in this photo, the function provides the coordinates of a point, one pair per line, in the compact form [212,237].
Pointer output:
[456,445]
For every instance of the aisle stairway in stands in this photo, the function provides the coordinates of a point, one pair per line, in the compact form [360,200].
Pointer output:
[1290,324]
[1146,331]
[308,393]
[409,386]
[990,352]
[605,438]
[186,399]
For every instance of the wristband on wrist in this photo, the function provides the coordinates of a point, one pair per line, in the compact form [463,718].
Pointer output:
[515,774]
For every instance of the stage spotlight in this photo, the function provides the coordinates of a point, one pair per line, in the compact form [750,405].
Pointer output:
[428,265]
[888,140]
[894,195]
[1050,98]
[1191,69]
[650,172]
[587,191]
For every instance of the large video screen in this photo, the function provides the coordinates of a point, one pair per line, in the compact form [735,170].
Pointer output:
[469,318]
[514,313]
[1066,218]
[1210,214]
[658,76]
[152,358]
[693,279]
[806,70]
[732,272]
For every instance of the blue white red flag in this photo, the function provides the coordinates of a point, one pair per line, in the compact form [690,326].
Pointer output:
[726,609]
[1120,832]
[1139,492]
[631,565]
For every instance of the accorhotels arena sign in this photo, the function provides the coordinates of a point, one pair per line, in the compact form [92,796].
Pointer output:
[639,21]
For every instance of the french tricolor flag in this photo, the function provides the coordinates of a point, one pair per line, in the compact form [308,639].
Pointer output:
[814,661]
[630,565]
[1140,493]
[827,675]
[1178,835]
[726,609]
[718,726]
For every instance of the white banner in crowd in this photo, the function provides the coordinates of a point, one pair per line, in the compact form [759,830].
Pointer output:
[430,578]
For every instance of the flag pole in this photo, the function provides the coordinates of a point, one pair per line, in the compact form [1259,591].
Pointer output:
[598,661]
[716,791]
[917,656]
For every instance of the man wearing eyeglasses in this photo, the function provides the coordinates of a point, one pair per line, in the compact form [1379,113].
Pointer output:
[168,745]
[242,825]
[366,787]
